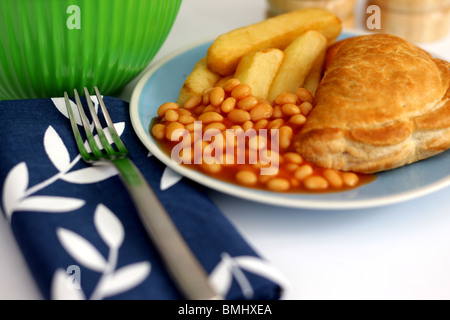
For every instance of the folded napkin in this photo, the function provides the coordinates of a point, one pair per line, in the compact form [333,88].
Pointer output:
[77,226]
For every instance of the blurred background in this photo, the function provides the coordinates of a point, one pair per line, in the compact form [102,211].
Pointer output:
[41,57]
[414,20]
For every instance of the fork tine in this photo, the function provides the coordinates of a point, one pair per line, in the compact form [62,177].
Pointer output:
[98,126]
[87,128]
[119,144]
[79,141]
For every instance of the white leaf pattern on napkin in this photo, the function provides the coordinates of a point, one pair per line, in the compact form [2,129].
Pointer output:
[49,204]
[169,179]
[221,277]
[112,281]
[56,150]
[60,104]
[109,227]
[229,267]
[81,250]
[125,279]
[15,185]
[262,268]
[90,174]
[60,289]
[16,182]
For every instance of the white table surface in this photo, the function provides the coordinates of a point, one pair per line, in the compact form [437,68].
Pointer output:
[400,251]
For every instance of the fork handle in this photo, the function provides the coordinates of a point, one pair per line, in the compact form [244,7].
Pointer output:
[185,269]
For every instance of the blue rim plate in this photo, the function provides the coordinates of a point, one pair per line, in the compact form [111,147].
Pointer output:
[163,82]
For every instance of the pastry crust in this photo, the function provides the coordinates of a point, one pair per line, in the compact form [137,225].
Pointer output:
[383,103]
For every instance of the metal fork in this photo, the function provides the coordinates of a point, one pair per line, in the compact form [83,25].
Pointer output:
[186,271]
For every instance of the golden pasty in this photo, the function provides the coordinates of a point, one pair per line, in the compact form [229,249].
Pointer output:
[382,103]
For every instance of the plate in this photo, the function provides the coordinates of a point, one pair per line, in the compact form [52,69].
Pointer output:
[162,83]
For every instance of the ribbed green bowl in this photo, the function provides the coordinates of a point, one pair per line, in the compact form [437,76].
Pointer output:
[51,46]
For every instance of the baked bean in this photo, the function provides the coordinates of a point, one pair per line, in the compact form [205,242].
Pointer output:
[216,125]
[217,96]
[277,112]
[291,167]
[297,120]
[261,124]
[159,131]
[246,178]
[257,142]
[228,104]
[303,172]
[248,103]
[247,125]
[228,160]
[293,157]
[211,168]
[261,100]
[261,111]
[237,128]
[304,95]
[231,84]
[211,108]
[306,108]
[186,119]
[285,136]
[294,182]
[230,138]
[222,81]
[239,116]
[219,141]
[171,131]
[209,117]
[190,127]
[271,157]
[275,124]
[193,102]
[290,109]
[278,184]
[193,136]
[205,96]
[171,115]
[188,139]
[264,178]
[285,98]
[270,171]
[198,110]
[350,179]
[316,183]
[333,178]
[241,91]
[167,106]
[184,112]
[200,145]
[186,155]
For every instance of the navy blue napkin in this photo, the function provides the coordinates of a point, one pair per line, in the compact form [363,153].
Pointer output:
[77,227]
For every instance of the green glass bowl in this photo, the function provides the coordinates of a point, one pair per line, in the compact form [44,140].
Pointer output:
[51,46]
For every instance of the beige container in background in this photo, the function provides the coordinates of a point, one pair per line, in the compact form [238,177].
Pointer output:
[344,9]
[414,20]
